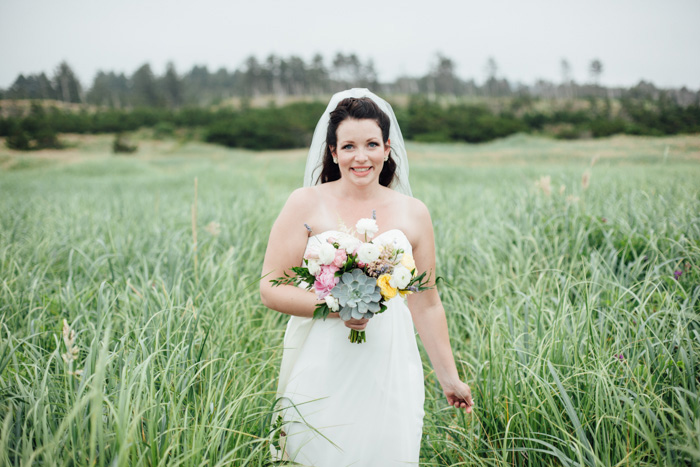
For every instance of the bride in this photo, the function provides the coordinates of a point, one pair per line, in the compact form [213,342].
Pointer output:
[343,403]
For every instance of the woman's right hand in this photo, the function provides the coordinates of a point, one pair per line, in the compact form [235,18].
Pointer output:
[357,324]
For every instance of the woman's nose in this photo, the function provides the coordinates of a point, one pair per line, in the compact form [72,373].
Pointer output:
[361,154]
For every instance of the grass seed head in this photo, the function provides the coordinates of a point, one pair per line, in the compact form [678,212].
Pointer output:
[545,184]
[586,179]
[213,228]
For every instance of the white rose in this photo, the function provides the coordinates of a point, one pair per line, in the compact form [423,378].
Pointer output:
[368,252]
[367,227]
[348,243]
[400,277]
[311,252]
[332,303]
[313,266]
[326,254]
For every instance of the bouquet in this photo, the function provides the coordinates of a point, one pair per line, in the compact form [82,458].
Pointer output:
[355,278]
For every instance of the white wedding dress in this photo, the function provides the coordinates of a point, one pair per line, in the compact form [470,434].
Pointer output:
[354,404]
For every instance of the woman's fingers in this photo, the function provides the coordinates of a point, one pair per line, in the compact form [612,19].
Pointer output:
[357,324]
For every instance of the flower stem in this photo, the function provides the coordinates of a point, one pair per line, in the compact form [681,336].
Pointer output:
[357,337]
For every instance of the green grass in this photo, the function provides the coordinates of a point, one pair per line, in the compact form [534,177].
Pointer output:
[565,317]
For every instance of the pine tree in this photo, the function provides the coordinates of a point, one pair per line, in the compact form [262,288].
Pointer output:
[171,86]
[144,90]
[68,88]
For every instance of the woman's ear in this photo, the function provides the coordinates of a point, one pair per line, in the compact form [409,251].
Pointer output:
[387,147]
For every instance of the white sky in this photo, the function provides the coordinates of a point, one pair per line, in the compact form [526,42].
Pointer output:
[635,39]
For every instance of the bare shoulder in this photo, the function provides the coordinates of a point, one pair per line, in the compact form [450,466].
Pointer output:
[419,208]
[302,195]
[417,212]
[301,201]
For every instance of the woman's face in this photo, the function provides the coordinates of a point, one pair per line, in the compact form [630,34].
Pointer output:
[360,151]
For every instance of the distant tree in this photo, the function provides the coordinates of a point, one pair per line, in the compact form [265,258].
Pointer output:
[253,75]
[596,70]
[349,71]
[443,78]
[101,92]
[68,88]
[565,71]
[45,89]
[171,86]
[566,80]
[144,89]
[295,75]
[18,90]
[271,74]
[491,69]
[317,80]
[197,85]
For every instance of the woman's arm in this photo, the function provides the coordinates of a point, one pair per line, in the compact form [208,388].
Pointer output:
[429,317]
[285,249]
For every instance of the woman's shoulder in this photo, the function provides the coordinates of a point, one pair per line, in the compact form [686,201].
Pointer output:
[414,206]
[302,196]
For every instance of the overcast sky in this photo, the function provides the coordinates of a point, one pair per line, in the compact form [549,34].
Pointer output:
[635,39]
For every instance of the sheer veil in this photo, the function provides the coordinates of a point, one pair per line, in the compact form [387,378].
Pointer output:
[314,162]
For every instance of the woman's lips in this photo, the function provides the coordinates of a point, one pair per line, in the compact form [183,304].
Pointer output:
[361,171]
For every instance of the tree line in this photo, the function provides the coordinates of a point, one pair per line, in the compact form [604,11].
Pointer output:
[292,76]
[441,107]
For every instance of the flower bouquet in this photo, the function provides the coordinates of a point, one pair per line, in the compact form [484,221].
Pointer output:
[355,278]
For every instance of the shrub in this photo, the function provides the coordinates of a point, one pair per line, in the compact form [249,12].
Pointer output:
[163,130]
[18,140]
[122,146]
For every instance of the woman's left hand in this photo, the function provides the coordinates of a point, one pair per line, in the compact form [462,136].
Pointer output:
[459,395]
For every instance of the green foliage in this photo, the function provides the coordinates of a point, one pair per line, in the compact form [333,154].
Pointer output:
[271,128]
[163,130]
[422,120]
[568,317]
[36,131]
[19,140]
[122,146]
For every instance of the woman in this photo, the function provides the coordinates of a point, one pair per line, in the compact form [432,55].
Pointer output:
[344,403]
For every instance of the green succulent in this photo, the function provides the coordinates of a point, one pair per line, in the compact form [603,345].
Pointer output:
[358,295]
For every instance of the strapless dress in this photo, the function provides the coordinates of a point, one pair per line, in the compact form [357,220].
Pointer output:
[353,404]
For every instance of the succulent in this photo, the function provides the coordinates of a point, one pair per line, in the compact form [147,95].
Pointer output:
[358,295]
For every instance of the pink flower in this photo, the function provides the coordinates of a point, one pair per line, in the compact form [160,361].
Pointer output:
[326,280]
[340,258]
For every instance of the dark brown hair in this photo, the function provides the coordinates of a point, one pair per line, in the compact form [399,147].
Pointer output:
[357,108]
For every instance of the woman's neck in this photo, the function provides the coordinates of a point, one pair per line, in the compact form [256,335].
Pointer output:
[359,194]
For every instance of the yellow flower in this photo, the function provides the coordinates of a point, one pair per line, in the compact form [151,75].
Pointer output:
[387,290]
[408,262]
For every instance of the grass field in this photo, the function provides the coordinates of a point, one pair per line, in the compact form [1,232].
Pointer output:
[574,315]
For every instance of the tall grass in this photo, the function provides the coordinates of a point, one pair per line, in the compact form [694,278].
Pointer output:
[580,343]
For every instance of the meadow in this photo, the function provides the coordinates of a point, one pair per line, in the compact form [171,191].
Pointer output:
[132,333]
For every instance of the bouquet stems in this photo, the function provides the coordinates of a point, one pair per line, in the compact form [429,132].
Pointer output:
[357,337]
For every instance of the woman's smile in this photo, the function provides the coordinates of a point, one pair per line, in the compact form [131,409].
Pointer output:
[361,171]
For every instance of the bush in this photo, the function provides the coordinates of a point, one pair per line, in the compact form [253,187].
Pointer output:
[122,146]
[18,140]
[603,127]
[163,130]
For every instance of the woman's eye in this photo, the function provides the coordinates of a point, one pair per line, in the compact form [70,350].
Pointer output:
[347,147]
[373,144]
